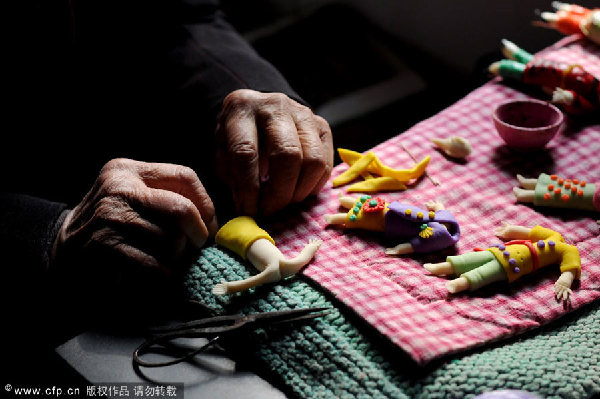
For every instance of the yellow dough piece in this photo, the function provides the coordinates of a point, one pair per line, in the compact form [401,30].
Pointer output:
[355,170]
[238,234]
[377,184]
[364,165]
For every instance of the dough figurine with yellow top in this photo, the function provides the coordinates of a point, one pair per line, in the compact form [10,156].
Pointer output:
[529,250]
[421,230]
[242,236]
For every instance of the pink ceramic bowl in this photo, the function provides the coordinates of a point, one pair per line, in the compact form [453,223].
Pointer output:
[527,124]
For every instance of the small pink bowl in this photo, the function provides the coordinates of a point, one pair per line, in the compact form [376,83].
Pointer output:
[527,124]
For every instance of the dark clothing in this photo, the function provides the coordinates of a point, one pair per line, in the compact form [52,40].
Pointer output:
[91,80]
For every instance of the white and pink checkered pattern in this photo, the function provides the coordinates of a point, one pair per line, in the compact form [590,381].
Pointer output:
[396,294]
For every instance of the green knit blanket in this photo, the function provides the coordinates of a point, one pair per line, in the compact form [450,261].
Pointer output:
[338,356]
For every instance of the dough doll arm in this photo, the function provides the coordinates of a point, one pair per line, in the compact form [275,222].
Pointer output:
[562,287]
[512,232]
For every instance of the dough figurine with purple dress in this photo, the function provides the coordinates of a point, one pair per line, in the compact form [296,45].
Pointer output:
[529,250]
[419,230]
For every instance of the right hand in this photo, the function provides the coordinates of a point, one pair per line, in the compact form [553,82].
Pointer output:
[136,220]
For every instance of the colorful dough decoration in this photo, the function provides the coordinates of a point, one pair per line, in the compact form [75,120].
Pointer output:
[528,250]
[556,191]
[420,230]
[572,87]
[242,236]
[572,19]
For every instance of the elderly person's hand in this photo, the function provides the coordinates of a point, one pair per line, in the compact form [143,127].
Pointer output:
[271,150]
[135,221]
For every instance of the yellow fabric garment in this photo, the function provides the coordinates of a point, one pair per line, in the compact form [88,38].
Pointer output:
[561,253]
[239,233]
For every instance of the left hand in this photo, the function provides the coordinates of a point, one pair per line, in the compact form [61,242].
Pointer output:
[271,150]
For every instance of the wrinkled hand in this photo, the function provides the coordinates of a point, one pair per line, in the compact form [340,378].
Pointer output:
[271,150]
[136,220]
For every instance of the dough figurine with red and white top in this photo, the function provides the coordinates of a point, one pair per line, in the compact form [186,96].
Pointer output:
[420,230]
[529,250]
[559,192]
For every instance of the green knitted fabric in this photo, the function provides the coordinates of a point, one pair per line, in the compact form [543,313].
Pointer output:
[331,358]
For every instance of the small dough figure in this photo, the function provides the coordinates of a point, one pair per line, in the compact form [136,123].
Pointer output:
[572,87]
[420,230]
[555,191]
[242,236]
[455,146]
[529,250]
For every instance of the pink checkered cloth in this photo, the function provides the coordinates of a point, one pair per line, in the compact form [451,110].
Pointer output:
[396,294]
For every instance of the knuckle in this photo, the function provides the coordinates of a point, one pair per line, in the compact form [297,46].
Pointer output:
[183,207]
[117,163]
[244,151]
[186,175]
[277,100]
[288,153]
[315,163]
[238,98]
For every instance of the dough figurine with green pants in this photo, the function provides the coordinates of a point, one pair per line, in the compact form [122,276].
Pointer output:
[242,236]
[529,250]
[558,192]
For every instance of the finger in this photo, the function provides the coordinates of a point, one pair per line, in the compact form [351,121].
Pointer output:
[124,219]
[314,160]
[185,182]
[327,142]
[179,209]
[238,155]
[284,154]
[110,244]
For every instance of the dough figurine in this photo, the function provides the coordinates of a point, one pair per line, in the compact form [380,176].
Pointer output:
[571,19]
[242,236]
[555,191]
[455,146]
[529,250]
[420,230]
[575,89]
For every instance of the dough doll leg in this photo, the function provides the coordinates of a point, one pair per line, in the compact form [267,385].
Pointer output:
[337,218]
[400,249]
[474,279]
[347,201]
[524,195]
[526,191]
[269,275]
[527,183]
[340,218]
[287,267]
[439,269]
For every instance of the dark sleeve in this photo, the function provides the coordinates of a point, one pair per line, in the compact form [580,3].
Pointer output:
[182,49]
[28,227]
[214,60]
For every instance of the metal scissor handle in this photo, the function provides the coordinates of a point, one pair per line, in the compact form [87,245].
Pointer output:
[214,327]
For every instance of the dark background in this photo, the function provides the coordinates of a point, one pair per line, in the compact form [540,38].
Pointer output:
[375,68]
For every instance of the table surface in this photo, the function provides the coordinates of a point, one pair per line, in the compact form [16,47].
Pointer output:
[105,358]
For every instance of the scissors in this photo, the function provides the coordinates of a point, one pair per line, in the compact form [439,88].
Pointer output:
[216,327]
